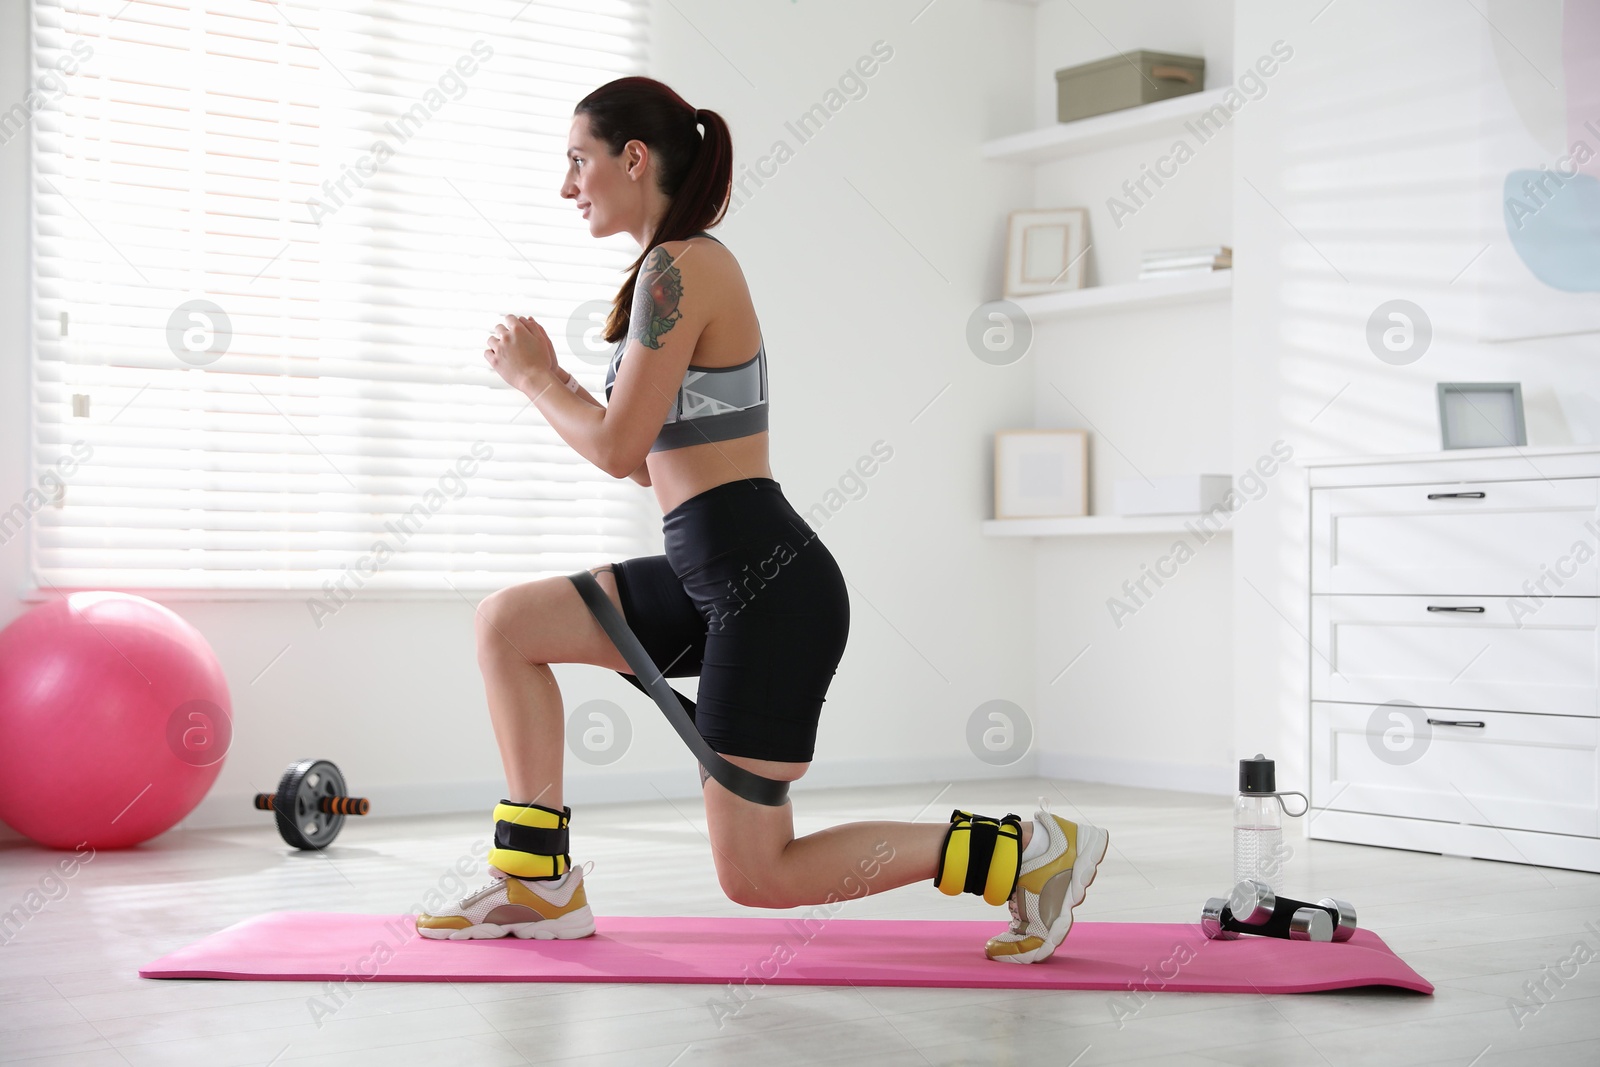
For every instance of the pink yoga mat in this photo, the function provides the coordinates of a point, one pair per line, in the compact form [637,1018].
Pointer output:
[317,946]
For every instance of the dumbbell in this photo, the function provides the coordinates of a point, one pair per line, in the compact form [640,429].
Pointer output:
[1216,920]
[311,803]
[1253,908]
[1305,924]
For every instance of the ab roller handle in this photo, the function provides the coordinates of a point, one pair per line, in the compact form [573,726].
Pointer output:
[1253,908]
[331,805]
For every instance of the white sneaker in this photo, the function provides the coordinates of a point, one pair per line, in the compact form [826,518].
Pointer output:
[540,909]
[1049,886]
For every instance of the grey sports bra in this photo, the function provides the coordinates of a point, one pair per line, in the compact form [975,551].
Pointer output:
[713,403]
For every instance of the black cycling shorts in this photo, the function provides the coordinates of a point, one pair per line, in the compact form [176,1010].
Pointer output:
[747,598]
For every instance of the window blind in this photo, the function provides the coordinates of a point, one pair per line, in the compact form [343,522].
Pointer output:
[269,240]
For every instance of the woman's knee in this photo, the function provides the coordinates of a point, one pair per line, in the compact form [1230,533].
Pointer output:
[754,887]
[539,622]
[748,844]
[492,624]
[507,621]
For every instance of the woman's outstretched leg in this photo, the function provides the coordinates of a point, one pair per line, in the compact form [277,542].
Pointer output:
[1040,876]
[761,864]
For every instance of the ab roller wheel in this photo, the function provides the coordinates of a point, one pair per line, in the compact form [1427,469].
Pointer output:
[311,804]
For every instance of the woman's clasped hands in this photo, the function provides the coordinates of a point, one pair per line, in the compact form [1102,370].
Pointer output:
[520,351]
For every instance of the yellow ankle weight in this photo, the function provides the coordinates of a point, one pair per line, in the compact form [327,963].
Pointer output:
[530,840]
[981,856]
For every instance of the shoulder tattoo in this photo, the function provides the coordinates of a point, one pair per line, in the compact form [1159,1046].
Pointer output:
[661,286]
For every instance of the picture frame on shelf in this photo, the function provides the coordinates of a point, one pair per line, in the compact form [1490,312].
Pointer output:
[1481,415]
[1046,250]
[1041,474]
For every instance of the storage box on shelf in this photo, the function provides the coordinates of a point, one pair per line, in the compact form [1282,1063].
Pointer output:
[1173,494]
[1124,80]
[1455,663]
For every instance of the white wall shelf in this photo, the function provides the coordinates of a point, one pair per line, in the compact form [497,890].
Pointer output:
[1182,289]
[1164,118]
[1098,524]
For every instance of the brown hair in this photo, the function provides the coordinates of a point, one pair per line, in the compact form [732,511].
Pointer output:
[695,172]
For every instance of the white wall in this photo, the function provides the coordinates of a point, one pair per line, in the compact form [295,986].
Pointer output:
[1147,701]
[865,252]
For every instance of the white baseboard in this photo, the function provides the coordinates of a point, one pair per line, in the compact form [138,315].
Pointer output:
[219,810]
[228,810]
[1145,774]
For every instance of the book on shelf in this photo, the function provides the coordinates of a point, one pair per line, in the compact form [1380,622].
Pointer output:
[1165,263]
[1209,262]
[1152,256]
[1148,275]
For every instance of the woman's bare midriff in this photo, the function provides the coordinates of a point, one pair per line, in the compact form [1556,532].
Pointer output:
[677,474]
[680,473]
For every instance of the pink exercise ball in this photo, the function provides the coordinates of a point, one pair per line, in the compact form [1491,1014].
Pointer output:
[114,720]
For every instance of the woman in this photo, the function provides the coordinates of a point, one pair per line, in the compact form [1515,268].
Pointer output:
[746,596]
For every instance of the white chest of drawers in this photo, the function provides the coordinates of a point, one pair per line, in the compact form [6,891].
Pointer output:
[1455,653]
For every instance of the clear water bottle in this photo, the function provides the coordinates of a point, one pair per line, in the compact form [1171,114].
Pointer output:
[1258,848]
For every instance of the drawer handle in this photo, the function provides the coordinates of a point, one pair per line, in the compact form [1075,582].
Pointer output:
[1478,723]
[1476,494]
[1476,609]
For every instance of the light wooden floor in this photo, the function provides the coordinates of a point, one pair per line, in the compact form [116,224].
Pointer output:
[1478,930]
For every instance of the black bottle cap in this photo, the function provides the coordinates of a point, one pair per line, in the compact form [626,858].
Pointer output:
[1257,775]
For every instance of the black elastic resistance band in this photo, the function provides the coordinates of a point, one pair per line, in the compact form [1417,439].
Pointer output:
[678,708]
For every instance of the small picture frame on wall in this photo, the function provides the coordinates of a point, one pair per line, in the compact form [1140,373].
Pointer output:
[1041,473]
[1045,250]
[1481,415]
